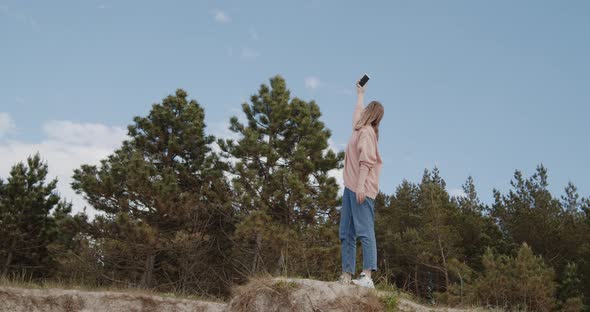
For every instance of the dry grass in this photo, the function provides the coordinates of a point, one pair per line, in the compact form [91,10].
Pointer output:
[58,300]
[274,295]
[65,303]
[368,303]
[20,282]
[263,291]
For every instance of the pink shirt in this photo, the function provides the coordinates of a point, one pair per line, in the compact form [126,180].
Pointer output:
[362,162]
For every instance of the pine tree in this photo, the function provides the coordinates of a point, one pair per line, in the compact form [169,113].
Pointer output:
[398,241]
[163,195]
[477,230]
[555,228]
[439,226]
[523,282]
[419,237]
[27,227]
[529,214]
[281,183]
[571,284]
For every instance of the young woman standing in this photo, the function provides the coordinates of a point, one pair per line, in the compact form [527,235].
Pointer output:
[362,165]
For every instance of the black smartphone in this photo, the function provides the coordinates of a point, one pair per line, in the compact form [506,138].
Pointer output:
[364,80]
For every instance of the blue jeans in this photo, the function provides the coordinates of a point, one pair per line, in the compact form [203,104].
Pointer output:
[357,220]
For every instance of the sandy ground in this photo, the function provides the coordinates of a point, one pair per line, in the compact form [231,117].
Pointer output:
[50,300]
[323,291]
[279,294]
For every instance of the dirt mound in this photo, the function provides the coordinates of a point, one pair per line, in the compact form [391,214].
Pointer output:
[285,294]
[49,300]
[260,295]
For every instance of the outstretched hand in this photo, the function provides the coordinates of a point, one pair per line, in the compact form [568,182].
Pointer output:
[359,88]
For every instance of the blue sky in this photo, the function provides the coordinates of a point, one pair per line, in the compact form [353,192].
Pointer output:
[476,88]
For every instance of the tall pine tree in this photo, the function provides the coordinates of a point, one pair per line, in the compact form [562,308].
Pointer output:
[166,223]
[282,187]
[27,226]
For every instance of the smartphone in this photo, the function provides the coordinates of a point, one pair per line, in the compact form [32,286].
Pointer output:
[364,80]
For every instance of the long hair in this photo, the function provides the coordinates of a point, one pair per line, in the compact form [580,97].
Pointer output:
[371,116]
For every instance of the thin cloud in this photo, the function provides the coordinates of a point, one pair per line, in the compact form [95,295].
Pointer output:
[312,82]
[20,18]
[6,124]
[86,134]
[221,17]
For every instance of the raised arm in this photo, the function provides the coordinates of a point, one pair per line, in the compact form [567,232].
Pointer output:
[358,110]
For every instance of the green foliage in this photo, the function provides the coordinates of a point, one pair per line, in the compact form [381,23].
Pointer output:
[572,304]
[569,290]
[529,213]
[171,221]
[282,189]
[426,240]
[36,227]
[285,287]
[166,219]
[555,229]
[391,302]
[521,282]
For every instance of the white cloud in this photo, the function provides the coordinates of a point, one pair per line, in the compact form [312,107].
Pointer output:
[6,124]
[221,129]
[83,134]
[337,173]
[221,17]
[457,192]
[65,147]
[312,82]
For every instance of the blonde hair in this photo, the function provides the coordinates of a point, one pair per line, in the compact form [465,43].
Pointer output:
[371,116]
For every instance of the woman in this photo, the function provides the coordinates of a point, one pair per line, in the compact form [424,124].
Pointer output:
[362,165]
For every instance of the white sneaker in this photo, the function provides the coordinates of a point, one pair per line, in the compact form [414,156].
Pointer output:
[344,280]
[364,281]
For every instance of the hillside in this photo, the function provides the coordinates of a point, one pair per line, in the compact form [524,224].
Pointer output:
[278,294]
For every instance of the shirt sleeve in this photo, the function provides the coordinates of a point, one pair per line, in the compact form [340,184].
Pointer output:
[358,110]
[367,146]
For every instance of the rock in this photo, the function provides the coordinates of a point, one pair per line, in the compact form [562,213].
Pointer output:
[287,294]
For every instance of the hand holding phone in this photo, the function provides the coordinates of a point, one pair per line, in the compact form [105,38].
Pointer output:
[364,80]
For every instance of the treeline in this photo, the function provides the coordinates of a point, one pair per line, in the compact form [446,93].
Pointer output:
[181,211]
[528,251]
